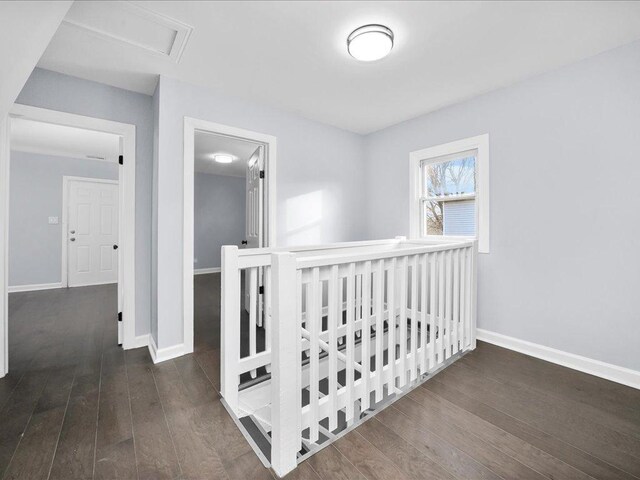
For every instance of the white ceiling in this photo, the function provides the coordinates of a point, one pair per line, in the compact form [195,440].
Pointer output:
[70,142]
[292,55]
[25,31]
[208,144]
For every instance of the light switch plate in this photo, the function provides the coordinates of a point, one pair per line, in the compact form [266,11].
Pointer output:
[53,220]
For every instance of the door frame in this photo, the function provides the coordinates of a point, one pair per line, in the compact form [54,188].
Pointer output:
[65,220]
[191,125]
[126,229]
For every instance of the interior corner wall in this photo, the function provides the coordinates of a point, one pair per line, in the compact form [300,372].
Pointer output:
[563,271]
[55,91]
[154,216]
[320,194]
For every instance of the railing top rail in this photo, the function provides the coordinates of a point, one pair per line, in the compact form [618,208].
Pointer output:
[310,248]
[325,260]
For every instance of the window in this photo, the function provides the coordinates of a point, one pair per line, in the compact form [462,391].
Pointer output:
[449,190]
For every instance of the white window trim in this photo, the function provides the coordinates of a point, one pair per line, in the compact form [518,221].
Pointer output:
[479,143]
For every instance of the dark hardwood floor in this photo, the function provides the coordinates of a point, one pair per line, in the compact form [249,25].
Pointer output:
[75,406]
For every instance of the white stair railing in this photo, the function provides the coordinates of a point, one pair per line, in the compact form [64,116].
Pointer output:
[350,325]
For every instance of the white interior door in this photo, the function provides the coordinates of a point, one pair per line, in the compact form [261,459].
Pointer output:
[92,232]
[254,216]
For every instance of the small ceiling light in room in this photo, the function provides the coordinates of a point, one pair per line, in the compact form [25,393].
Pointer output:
[223,158]
[370,42]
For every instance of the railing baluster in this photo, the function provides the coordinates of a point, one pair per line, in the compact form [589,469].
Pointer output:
[456,299]
[473,281]
[423,314]
[260,298]
[379,330]
[433,258]
[253,302]
[414,318]
[332,325]
[366,335]
[358,301]
[351,277]
[441,342]
[447,314]
[403,322]
[463,298]
[314,317]
[391,307]
[267,308]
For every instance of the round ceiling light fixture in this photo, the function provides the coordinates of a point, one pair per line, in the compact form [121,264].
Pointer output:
[370,42]
[223,158]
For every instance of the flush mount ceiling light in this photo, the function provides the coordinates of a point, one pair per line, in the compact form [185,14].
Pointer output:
[223,158]
[370,42]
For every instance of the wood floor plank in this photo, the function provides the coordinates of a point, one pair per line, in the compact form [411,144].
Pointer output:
[33,457]
[115,454]
[438,449]
[116,461]
[524,452]
[490,456]
[571,455]
[524,373]
[581,387]
[610,446]
[76,446]
[303,472]
[367,459]
[404,455]
[247,466]
[17,412]
[194,440]
[330,464]
[156,457]
[210,363]
[230,443]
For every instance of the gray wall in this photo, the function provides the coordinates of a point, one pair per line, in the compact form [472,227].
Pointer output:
[55,91]
[564,267]
[35,247]
[319,175]
[219,216]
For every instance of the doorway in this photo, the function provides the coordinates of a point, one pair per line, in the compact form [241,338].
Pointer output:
[63,218]
[252,157]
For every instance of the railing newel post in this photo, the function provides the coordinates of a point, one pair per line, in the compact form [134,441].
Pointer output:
[285,360]
[230,326]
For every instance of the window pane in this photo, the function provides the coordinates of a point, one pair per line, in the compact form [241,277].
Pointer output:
[455,177]
[459,217]
[433,217]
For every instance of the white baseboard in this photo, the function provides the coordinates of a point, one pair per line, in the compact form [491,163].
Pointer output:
[608,371]
[167,353]
[34,287]
[93,284]
[203,271]
[139,341]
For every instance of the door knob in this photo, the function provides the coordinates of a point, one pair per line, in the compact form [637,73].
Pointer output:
[72,232]
[115,247]
[72,239]
[244,242]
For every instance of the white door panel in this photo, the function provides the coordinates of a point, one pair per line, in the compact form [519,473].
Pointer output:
[254,215]
[92,232]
